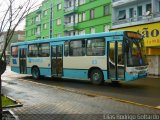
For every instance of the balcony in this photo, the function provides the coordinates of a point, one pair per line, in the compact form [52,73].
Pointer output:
[70,26]
[70,10]
[136,20]
[38,22]
[116,3]
[38,34]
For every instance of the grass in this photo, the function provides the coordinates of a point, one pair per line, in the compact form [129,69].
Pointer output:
[6,101]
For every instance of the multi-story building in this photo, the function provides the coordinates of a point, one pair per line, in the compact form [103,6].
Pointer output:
[142,16]
[18,36]
[57,18]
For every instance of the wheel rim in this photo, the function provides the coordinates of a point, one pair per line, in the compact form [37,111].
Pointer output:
[96,76]
[35,73]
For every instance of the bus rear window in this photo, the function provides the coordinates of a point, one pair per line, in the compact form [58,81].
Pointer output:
[14,51]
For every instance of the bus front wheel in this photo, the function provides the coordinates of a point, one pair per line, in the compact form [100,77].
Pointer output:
[35,73]
[97,77]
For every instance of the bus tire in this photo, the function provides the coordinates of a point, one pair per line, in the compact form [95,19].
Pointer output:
[35,73]
[96,77]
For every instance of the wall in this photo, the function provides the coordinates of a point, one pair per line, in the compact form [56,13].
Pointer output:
[154,65]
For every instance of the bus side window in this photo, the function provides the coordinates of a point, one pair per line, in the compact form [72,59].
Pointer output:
[77,48]
[66,48]
[43,50]
[14,51]
[96,47]
[33,50]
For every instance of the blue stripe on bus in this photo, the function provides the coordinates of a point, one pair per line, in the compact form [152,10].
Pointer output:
[129,77]
[75,73]
[43,71]
[80,73]
[15,69]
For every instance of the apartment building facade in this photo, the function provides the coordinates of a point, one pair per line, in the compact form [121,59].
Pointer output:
[142,16]
[68,17]
[18,36]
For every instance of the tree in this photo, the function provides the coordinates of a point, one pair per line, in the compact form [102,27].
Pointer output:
[10,18]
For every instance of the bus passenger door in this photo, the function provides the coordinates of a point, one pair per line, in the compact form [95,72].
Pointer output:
[57,60]
[22,60]
[115,60]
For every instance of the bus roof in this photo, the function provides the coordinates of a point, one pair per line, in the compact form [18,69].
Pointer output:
[102,34]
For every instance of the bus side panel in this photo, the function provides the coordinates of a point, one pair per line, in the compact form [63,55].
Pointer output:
[76,73]
[78,67]
[45,72]
[15,65]
[43,63]
[29,70]
[105,73]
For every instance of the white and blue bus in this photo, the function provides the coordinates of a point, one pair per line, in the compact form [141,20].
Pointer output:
[99,57]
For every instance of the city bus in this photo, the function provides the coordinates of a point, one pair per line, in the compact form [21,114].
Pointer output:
[99,57]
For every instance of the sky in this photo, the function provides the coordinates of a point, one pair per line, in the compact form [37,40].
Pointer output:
[4,4]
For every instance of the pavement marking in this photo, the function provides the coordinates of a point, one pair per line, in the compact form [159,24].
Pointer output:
[94,95]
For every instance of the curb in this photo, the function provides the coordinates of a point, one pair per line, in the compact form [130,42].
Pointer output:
[16,103]
[9,115]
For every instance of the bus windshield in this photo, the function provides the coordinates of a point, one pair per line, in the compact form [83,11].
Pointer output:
[135,52]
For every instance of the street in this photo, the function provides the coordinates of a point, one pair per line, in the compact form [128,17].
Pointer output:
[48,96]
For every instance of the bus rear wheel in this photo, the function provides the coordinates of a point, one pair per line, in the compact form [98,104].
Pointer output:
[97,77]
[35,73]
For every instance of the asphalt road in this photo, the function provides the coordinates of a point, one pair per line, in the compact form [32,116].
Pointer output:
[144,91]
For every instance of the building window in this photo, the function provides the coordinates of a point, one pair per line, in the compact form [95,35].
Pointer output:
[59,6]
[38,30]
[80,17]
[77,48]
[44,26]
[106,28]
[148,9]
[58,35]
[45,13]
[92,14]
[58,21]
[131,13]
[81,2]
[96,47]
[38,18]
[76,18]
[139,10]
[93,30]
[32,20]
[83,16]
[122,15]
[82,32]
[106,10]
